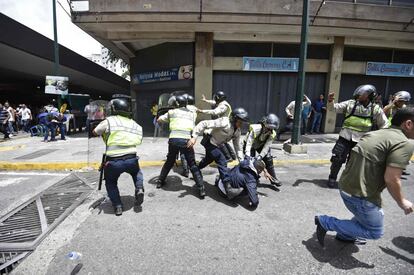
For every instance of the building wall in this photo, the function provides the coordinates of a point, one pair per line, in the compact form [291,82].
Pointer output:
[163,56]
[262,92]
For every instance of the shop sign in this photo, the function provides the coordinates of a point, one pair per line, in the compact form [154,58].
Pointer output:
[178,73]
[270,64]
[390,69]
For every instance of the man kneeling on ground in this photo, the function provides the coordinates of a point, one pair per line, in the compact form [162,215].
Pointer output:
[376,163]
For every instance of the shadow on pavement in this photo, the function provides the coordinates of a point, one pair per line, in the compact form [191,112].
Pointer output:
[267,186]
[335,253]
[318,182]
[404,243]
[174,184]
[106,205]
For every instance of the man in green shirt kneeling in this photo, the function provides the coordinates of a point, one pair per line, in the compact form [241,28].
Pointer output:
[376,163]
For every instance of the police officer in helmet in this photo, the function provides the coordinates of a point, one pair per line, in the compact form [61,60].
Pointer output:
[221,109]
[121,135]
[361,116]
[222,130]
[181,122]
[400,100]
[259,139]
[194,109]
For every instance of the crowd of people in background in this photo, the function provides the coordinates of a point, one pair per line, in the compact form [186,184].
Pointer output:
[42,122]
[13,120]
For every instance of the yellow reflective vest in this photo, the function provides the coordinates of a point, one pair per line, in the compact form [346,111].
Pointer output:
[360,118]
[123,137]
[182,122]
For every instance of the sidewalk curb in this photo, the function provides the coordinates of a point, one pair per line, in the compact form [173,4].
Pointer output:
[62,166]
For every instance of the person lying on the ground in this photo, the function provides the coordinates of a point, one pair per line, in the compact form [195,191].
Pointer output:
[244,177]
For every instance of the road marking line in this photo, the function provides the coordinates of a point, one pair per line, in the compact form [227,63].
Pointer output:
[32,174]
[6,182]
[11,148]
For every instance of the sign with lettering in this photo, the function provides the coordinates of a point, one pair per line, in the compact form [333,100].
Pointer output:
[180,73]
[270,64]
[390,69]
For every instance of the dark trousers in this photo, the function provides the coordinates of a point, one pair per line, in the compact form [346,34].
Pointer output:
[52,128]
[113,169]
[340,155]
[4,128]
[26,124]
[175,146]
[213,153]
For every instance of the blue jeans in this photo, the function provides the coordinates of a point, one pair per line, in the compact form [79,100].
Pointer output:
[52,127]
[26,123]
[316,124]
[367,223]
[213,153]
[113,169]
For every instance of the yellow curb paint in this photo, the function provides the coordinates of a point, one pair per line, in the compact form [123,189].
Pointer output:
[11,148]
[58,166]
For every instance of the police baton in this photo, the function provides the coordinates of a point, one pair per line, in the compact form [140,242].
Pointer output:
[101,171]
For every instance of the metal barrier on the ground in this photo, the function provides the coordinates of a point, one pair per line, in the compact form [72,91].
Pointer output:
[22,229]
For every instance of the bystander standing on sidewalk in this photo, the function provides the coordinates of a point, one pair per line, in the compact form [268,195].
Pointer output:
[90,111]
[12,119]
[4,118]
[26,117]
[290,114]
[306,113]
[318,107]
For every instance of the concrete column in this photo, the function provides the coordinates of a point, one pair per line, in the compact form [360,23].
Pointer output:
[203,72]
[334,80]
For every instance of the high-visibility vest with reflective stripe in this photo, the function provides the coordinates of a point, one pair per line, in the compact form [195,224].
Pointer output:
[182,122]
[123,137]
[256,129]
[361,119]
[229,110]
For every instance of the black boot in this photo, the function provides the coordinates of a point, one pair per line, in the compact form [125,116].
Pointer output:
[163,175]
[332,183]
[198,178]
[271,169]
[184,164]
[335,168]
[118,210]
[139,196]
[160,182]
[320,232]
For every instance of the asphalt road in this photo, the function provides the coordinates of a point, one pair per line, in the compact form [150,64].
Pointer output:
[18,187]
[177,233]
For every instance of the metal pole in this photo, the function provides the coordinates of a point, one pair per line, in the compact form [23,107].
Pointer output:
[301,74]
[57,69]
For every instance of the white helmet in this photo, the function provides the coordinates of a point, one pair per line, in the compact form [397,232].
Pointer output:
[403,96]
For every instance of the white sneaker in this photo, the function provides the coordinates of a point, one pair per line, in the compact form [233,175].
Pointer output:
[10,135]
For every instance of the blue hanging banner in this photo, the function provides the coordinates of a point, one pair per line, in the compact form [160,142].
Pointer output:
[270,64]
[390,69]
[179,73]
